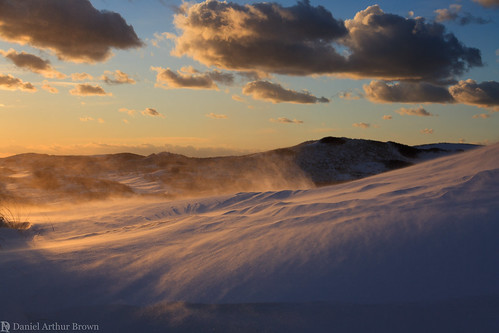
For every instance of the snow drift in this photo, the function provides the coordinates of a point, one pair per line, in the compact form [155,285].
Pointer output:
[388,250]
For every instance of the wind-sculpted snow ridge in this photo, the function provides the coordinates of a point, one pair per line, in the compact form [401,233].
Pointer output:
[41,179]
[411,250]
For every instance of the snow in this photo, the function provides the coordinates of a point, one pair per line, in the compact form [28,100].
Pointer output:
[384,253]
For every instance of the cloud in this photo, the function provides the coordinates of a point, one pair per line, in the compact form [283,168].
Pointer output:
[488,3]
[238,98]
[128,111]
[260,36]
[405,92]
[168,79]
[275,93]
[88,90]
[49,88]
[448,14]
[362,125]
[286,121]
[216,116]
[420,112]
[81,76]
[482,115]
[427,131]
[32,63]
[9,82]
[159,37]
[350,95]
[453,14]
[306,40]
[73,29]
[429,52]
[151,113]
[484,94]
[117,77]
[387,117]
[86,119]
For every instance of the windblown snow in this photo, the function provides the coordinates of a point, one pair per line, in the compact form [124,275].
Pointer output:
[411,249]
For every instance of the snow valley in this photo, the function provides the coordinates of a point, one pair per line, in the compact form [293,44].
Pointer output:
[408,250]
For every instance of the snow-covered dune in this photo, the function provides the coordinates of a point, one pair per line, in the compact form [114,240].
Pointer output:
[402,251]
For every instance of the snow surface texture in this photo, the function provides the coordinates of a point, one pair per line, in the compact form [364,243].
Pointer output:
[411,250]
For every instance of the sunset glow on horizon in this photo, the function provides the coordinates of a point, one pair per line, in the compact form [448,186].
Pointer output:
[210,78]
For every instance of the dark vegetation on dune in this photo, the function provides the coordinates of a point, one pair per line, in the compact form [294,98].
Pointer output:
[314,163]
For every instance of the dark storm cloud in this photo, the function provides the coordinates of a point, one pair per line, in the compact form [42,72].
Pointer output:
[405,92]
[470,92]
[32,63]
[484,94]
[73,29]
[303,40]
[275,93]
[390,46]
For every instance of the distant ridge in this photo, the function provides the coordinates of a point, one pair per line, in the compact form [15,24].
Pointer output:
[39,177]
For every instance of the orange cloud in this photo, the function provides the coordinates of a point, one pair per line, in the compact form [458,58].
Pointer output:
[488,3]
[81,76]
[362,125]
[89,90]
[420,111]
[9,82]
[151,113]
[49,88]
[303,40]
[275,93]
[32,63]
[484,94]
[117,77]
[284,120]
[216,116]
[168,79]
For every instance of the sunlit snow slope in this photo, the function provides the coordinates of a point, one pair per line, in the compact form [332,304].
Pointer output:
[424,233]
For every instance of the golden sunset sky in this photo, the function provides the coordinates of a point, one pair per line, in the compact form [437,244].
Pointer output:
[217,78]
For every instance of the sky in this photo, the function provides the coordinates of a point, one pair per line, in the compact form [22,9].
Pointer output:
[211,78]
